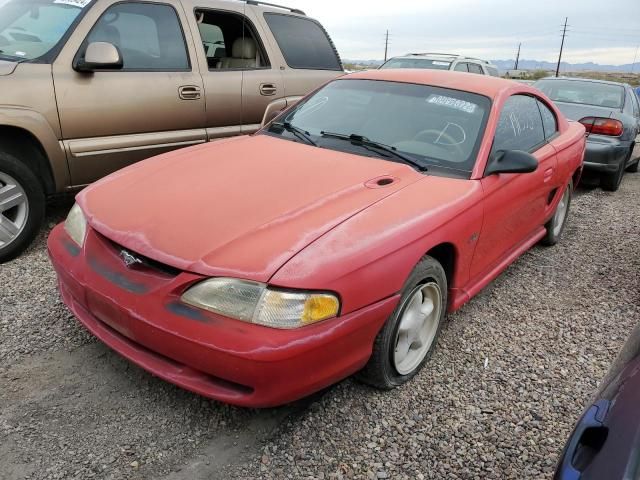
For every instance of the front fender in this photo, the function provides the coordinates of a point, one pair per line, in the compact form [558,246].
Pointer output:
[36,125]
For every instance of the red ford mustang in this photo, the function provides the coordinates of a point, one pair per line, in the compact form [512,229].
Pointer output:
[257,270]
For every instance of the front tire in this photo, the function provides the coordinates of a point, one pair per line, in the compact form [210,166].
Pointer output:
[556,225]
[22,207]
[410,334]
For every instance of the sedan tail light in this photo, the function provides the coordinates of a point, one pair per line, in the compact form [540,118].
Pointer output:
[602,126]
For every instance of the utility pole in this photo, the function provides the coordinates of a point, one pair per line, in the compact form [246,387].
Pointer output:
[564,33]
[386,45]
[517,57]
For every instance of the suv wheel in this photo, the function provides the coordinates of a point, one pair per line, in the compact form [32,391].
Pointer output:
[22,206]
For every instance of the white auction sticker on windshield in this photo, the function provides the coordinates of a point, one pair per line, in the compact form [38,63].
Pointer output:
[452,103]
[73,3]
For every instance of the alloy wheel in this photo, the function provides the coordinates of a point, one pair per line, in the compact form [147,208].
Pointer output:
[14,209]
[417,328]
[561,213]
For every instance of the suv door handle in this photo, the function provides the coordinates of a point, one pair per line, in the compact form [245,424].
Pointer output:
[268,89]
[189,92]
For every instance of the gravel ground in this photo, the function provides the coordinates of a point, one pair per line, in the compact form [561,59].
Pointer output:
[512,371]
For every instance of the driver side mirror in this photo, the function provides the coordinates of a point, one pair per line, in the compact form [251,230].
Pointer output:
[511,161]
[100,56]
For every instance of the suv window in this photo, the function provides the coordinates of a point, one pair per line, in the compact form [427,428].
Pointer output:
[549,122]
[229,41]
[475,68]
[520,125]
[493,71]
[303,42]
[461,67]
[149,36]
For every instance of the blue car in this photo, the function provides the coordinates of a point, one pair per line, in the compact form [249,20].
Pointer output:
[605,443]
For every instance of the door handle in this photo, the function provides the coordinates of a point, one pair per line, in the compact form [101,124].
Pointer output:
[189,92]
[548,174]
[268,89]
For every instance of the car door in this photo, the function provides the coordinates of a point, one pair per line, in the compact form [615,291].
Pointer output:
[515,203]
[153,104]
[302,51]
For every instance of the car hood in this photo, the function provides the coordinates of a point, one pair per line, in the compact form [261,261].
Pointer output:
[239,207]
[7,68]
[574,111]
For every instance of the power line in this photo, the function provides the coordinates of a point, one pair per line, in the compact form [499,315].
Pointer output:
[564,34]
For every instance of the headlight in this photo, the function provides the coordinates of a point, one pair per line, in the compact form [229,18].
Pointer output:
[256,303]
[76,225]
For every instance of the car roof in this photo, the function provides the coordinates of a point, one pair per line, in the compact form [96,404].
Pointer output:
[483,84]
[443,56]
[590,80]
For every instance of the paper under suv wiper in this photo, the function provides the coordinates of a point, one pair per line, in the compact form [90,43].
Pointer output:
[297,131]
[364,141]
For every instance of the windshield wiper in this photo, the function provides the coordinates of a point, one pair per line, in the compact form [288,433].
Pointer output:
[297,131]
[365,142]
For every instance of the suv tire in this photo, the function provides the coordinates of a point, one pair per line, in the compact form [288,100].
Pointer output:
[22,206]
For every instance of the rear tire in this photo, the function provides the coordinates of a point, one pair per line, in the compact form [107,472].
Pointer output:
[556,225]
[611,181]
[415,324]
[22,206]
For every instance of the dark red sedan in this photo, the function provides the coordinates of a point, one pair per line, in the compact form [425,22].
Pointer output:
[260,269]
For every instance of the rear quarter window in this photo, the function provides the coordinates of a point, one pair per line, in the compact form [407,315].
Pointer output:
[303,42]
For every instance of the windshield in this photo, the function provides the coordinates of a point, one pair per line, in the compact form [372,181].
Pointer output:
[437,128]
[417,63]
[586,93]
[30,28]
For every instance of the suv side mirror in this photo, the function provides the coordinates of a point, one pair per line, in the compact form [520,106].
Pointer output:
[100,56]
[511,161]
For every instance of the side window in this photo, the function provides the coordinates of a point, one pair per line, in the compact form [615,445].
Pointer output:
[461,67]
[475,68]
[303,42]
[148,35]
[549,122]
[493,71]
[229,41]
[520,125]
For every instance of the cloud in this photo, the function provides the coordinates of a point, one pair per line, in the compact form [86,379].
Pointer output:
[489,28]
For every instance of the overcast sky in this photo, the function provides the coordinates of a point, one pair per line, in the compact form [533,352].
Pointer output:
[605,32]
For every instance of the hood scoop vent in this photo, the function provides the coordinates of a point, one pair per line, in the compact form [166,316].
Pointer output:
[381,182]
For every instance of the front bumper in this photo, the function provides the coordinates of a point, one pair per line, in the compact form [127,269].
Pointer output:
[137,313]
[605,156]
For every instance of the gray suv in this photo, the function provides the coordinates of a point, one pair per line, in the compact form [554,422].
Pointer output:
[442,61]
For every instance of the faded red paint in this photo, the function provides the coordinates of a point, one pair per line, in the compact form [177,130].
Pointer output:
[299,217]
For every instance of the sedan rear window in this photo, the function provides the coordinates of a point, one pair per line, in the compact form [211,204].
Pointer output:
[417,63]
[437,127]
[583,92]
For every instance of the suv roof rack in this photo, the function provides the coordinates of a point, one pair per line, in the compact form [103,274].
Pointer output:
[257,2]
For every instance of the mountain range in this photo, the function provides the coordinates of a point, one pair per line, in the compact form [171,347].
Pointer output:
[504,65]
